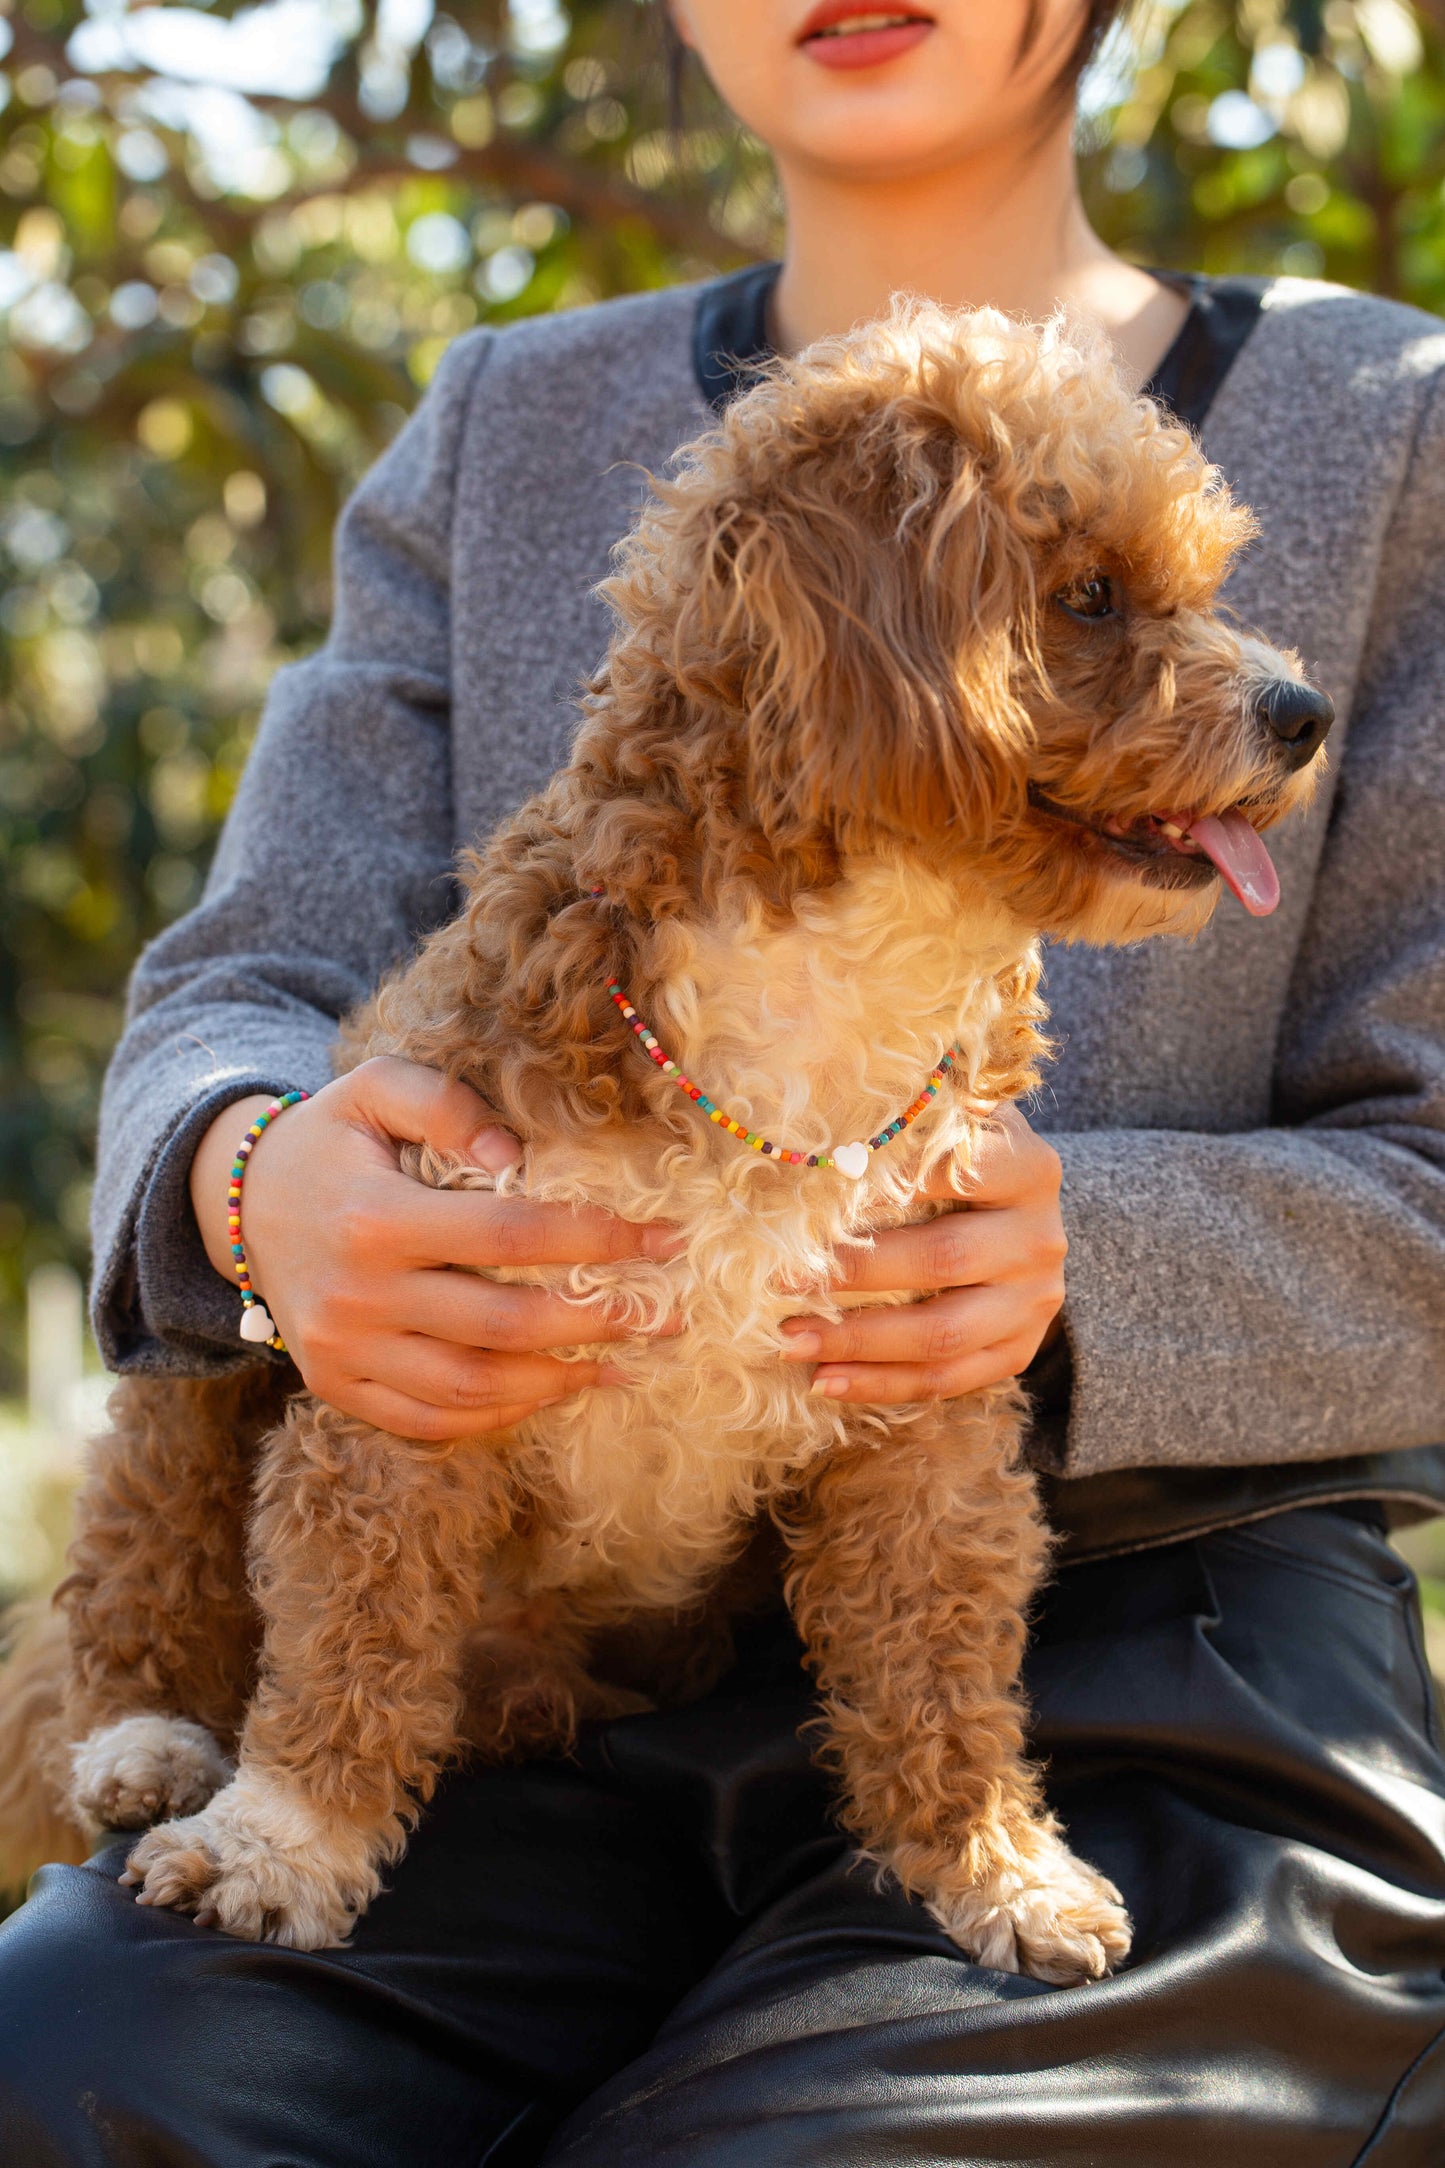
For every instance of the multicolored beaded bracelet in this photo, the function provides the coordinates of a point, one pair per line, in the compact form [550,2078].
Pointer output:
[849,1159]
[256,1323]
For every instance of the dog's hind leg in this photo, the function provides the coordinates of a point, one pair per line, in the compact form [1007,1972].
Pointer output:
[528,1680]
[369,1556]
[36,1820]
[915,1560]
[162,1629]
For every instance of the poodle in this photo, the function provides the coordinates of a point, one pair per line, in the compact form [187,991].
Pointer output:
[919,658]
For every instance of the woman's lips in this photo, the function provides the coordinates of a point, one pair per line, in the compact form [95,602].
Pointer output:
[853,37]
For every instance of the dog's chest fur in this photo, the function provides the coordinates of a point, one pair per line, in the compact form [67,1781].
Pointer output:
[815,1035]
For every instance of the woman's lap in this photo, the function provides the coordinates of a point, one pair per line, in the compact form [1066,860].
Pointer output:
[1239,1730]
[536,1935]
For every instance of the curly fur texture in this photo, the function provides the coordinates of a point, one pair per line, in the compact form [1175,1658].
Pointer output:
[160,1618]
[805,789]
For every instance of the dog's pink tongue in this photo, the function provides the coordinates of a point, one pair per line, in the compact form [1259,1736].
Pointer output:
[1238,851]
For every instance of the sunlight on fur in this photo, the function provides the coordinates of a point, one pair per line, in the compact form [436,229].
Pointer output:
[918,658]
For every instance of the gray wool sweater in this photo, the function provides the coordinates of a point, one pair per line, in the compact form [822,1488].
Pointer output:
[1252,1126]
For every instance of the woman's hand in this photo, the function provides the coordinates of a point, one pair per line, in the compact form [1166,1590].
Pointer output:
[356,1261]
[1000,1266]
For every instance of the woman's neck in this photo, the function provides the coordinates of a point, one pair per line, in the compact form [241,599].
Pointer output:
[1002,228]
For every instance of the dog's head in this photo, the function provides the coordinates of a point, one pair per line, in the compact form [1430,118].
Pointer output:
[946,586]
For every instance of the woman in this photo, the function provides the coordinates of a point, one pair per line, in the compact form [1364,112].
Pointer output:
[661,1953]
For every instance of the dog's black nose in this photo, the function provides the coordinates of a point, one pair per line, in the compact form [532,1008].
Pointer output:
[1295,718]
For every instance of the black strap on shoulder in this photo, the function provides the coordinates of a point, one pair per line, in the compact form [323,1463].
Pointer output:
[730,339]
[731,342]
[1222,314]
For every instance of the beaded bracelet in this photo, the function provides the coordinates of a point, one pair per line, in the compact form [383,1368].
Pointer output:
[256,1322]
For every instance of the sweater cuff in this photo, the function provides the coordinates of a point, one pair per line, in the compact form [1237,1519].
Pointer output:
[162,1307]
[1162,1330]
[1123,1286]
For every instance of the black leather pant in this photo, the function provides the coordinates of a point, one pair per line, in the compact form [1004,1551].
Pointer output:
[663,1956]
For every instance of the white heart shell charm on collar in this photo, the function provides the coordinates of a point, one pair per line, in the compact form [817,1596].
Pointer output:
[256,1322]
[852,1160]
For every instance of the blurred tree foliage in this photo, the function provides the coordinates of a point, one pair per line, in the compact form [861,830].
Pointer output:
[233,244]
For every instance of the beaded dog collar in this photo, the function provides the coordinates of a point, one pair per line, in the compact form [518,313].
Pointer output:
[849,1159]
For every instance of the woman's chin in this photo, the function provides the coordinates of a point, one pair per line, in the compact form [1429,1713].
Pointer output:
[877,136]
[880,125]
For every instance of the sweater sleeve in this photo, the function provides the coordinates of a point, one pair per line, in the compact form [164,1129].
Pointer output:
[335,858]
[1280,1294]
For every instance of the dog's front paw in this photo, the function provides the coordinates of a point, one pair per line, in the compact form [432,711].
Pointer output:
[1041,1911]
[144,1768]
[260,1863]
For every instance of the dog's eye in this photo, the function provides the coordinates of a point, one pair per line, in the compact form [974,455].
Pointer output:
[1089,600]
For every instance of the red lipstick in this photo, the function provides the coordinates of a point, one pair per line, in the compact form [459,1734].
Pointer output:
[851,34]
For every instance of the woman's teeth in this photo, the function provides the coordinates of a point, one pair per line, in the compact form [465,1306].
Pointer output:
[854,23]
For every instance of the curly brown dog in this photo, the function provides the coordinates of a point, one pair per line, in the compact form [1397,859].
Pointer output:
[918,659]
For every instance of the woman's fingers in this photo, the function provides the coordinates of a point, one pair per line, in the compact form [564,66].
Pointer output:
[922,1333]
[402,1100]
[1003,1287]
[448,1376]
[892,1384]
[483,1313]
[372,1402]
[957,1250]
[354,1259]
[457,1382]
[931,1336]
[472,1227]
[956,1343]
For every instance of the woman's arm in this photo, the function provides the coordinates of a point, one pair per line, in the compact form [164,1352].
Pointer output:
[336,855]
[1261,1297]
[1280,1295]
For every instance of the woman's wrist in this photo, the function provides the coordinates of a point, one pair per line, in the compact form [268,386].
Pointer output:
[210,1169]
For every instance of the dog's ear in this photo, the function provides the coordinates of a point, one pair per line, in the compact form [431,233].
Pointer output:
[883,651]
[832,570]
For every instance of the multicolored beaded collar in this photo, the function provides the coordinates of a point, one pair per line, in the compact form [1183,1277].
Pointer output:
[849,1159]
